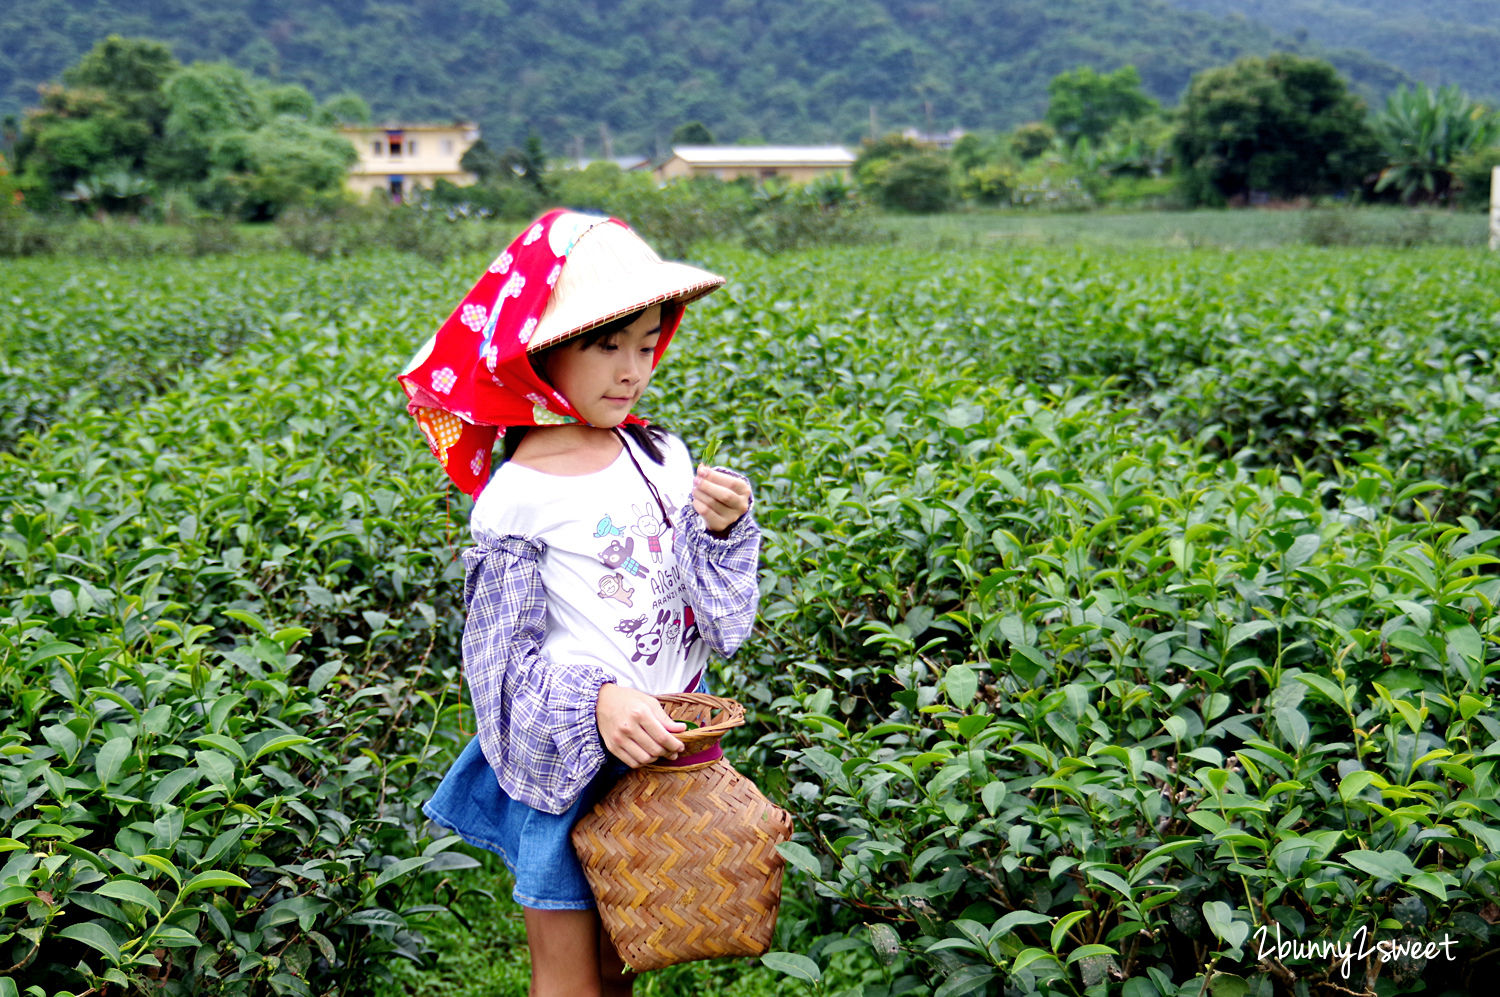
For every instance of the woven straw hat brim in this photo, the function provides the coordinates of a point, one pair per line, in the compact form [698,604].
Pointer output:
[611,272]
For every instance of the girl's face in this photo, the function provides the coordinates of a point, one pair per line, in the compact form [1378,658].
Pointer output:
[605,380]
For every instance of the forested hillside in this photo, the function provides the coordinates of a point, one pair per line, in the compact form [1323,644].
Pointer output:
[1455,42]
[574,70]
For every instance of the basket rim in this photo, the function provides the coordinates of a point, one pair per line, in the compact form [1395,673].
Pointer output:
[731,715]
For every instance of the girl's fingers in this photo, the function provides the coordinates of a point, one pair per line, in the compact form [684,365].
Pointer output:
[719,497]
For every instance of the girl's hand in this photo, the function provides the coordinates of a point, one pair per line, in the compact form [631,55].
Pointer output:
[635,727]
[721,499]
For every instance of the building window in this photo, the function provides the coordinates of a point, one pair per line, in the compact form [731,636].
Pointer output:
[377,147]
[411,147]
[395,147]
[447,147]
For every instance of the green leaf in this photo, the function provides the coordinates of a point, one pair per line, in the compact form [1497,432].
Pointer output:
[1391,865]
[1302,550]
[1015,919]
[280,743]
[214,879]
[131,892]
[400,868]
[160,864]
[1089,952]
[1220,919]
[1028,956]
[111,757]
[993,796]
[1060,929]
[1355,783]
[792,964]
[964,981]
[961,684]
[800,856]
[1242,632]
[95,936]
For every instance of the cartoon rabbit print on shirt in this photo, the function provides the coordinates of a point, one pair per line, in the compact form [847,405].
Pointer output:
[650,528]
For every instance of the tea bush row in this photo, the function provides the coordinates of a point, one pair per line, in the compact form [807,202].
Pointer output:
[1070,700]
[78,335]
[1069,679]
[228,641]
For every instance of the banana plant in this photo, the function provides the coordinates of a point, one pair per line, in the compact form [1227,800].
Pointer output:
[1423,133]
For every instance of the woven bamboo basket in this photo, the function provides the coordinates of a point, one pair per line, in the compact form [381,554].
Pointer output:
[682,856]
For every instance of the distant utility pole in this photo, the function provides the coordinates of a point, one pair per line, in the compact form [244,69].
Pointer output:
[606,142]
[873,133]
[1495,210]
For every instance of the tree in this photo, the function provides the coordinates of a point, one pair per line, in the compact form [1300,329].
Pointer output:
[292,162]
[343,109]
[527,164]
[1283,125]
[1032,139]
[1423,133]
[918,182]
[692,133]
[103,120]
[1083,104]
[131,71]
[480,160]
[874,155]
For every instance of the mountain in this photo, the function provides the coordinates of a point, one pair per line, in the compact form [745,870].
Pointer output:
[803,71]
[1457,41]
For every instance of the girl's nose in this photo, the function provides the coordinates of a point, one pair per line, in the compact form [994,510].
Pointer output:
[634,368]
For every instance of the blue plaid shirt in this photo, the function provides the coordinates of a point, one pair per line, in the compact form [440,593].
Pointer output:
[536,718]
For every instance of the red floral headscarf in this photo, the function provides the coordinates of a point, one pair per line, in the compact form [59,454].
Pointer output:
[474,377]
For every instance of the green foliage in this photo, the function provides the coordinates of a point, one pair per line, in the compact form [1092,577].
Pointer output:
[345,108]
[90,140]
[1453,42]
[479,950]
[226,641]
[1030,140]
[1423,133]
[1122,620]
[1283,126]
[1085,104]
[1474,174]
[692,133]
[782,71]
[1145,603]
[132,123]
[676,218]
[919,180]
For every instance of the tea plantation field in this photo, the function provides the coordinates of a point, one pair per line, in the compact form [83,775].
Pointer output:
[1126,612]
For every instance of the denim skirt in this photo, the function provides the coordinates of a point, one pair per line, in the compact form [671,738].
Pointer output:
[535,845]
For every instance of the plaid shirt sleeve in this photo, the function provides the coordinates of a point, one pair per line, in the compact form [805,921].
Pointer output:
[536,718]
[720,577]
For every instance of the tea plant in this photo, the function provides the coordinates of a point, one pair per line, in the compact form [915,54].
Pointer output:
[1119,610]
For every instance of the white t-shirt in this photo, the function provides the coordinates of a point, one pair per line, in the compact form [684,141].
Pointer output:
[615,593]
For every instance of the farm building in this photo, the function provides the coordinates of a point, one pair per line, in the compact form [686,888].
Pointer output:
[399,158]
[795,163]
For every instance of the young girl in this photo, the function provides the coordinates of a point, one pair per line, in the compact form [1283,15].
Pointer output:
[604,567]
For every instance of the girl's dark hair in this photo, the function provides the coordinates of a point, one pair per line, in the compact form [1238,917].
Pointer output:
[647,438]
